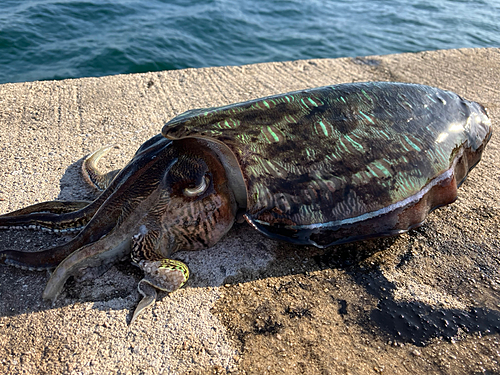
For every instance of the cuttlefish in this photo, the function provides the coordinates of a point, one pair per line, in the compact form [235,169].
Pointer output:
[321,167]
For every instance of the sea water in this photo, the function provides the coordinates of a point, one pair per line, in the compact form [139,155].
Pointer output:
[56,39]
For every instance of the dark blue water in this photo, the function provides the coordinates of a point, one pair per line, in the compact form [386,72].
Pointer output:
[55,39]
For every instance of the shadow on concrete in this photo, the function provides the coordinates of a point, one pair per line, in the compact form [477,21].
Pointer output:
[73,186]
[408,322]
[418,323]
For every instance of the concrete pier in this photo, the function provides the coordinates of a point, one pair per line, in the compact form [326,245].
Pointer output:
[425,302]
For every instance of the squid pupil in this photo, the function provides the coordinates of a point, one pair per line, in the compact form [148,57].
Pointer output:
[197,190]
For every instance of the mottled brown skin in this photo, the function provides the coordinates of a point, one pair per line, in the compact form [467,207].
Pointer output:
[322,166]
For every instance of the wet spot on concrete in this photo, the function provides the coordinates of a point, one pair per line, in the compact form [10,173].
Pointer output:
[266,326]
[417,323]
[298,312]
[342,307]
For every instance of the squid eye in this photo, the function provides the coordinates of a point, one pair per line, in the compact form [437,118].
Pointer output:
[197,190]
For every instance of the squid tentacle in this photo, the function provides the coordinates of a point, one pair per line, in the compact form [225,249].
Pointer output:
[72,215]
[54,207]
[34,219]
[137,180]
[132,200]
[159,272]
[101,181]
[150,246]
[96,179]
[117,242]
[41,214]
[52,220]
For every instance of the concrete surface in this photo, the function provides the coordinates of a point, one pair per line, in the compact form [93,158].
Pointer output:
[424,302]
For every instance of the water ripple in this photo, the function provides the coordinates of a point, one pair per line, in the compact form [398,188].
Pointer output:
[57,39]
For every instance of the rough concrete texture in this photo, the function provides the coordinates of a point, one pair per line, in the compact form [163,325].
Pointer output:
[425,302]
